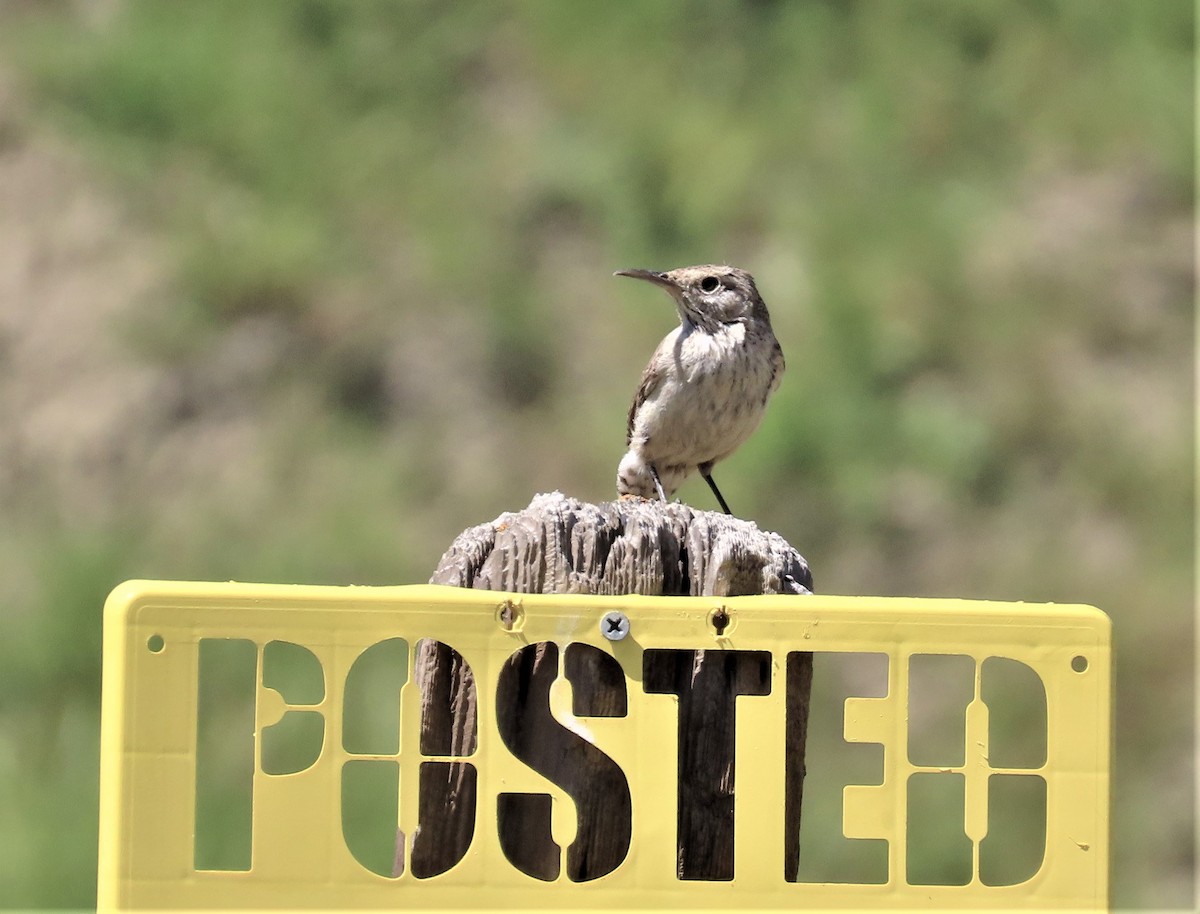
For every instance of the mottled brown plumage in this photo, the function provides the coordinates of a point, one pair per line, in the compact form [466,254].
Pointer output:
[707,384]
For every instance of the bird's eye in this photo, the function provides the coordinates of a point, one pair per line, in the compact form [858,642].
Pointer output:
[709,284]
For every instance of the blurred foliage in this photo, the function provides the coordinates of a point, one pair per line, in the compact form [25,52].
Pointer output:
[386,232]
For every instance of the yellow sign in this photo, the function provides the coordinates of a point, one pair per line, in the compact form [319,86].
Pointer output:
[270,747]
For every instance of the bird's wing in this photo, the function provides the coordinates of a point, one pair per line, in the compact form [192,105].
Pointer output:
[651,379]
[778,364]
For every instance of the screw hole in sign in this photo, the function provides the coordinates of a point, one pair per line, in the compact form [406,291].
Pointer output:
[720,620]
[155,644]
[1079,663]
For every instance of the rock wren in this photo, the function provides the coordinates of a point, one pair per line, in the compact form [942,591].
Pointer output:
[707,384]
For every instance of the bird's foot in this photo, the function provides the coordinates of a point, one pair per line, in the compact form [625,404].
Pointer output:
[658,486]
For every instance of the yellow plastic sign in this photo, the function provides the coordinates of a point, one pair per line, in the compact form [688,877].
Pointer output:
[263,747]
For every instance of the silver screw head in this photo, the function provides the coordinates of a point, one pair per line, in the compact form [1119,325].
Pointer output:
[615,625]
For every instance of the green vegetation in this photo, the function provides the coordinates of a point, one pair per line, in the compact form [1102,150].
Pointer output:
[380,236]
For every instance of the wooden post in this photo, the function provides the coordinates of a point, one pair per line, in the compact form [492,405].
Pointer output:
[561,545]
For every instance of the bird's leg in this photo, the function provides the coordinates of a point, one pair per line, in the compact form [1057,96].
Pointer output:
[657,483]
[706,472]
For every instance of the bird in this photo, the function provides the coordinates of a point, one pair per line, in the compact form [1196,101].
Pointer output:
[706,387]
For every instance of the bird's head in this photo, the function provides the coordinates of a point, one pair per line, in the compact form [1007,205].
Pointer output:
[709,295]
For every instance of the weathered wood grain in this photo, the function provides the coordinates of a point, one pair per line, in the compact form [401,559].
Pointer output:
[561,545]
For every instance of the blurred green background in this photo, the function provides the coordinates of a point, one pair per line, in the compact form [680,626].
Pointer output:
[297,291]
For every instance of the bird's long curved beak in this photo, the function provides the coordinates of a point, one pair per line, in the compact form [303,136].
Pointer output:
[659,279]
